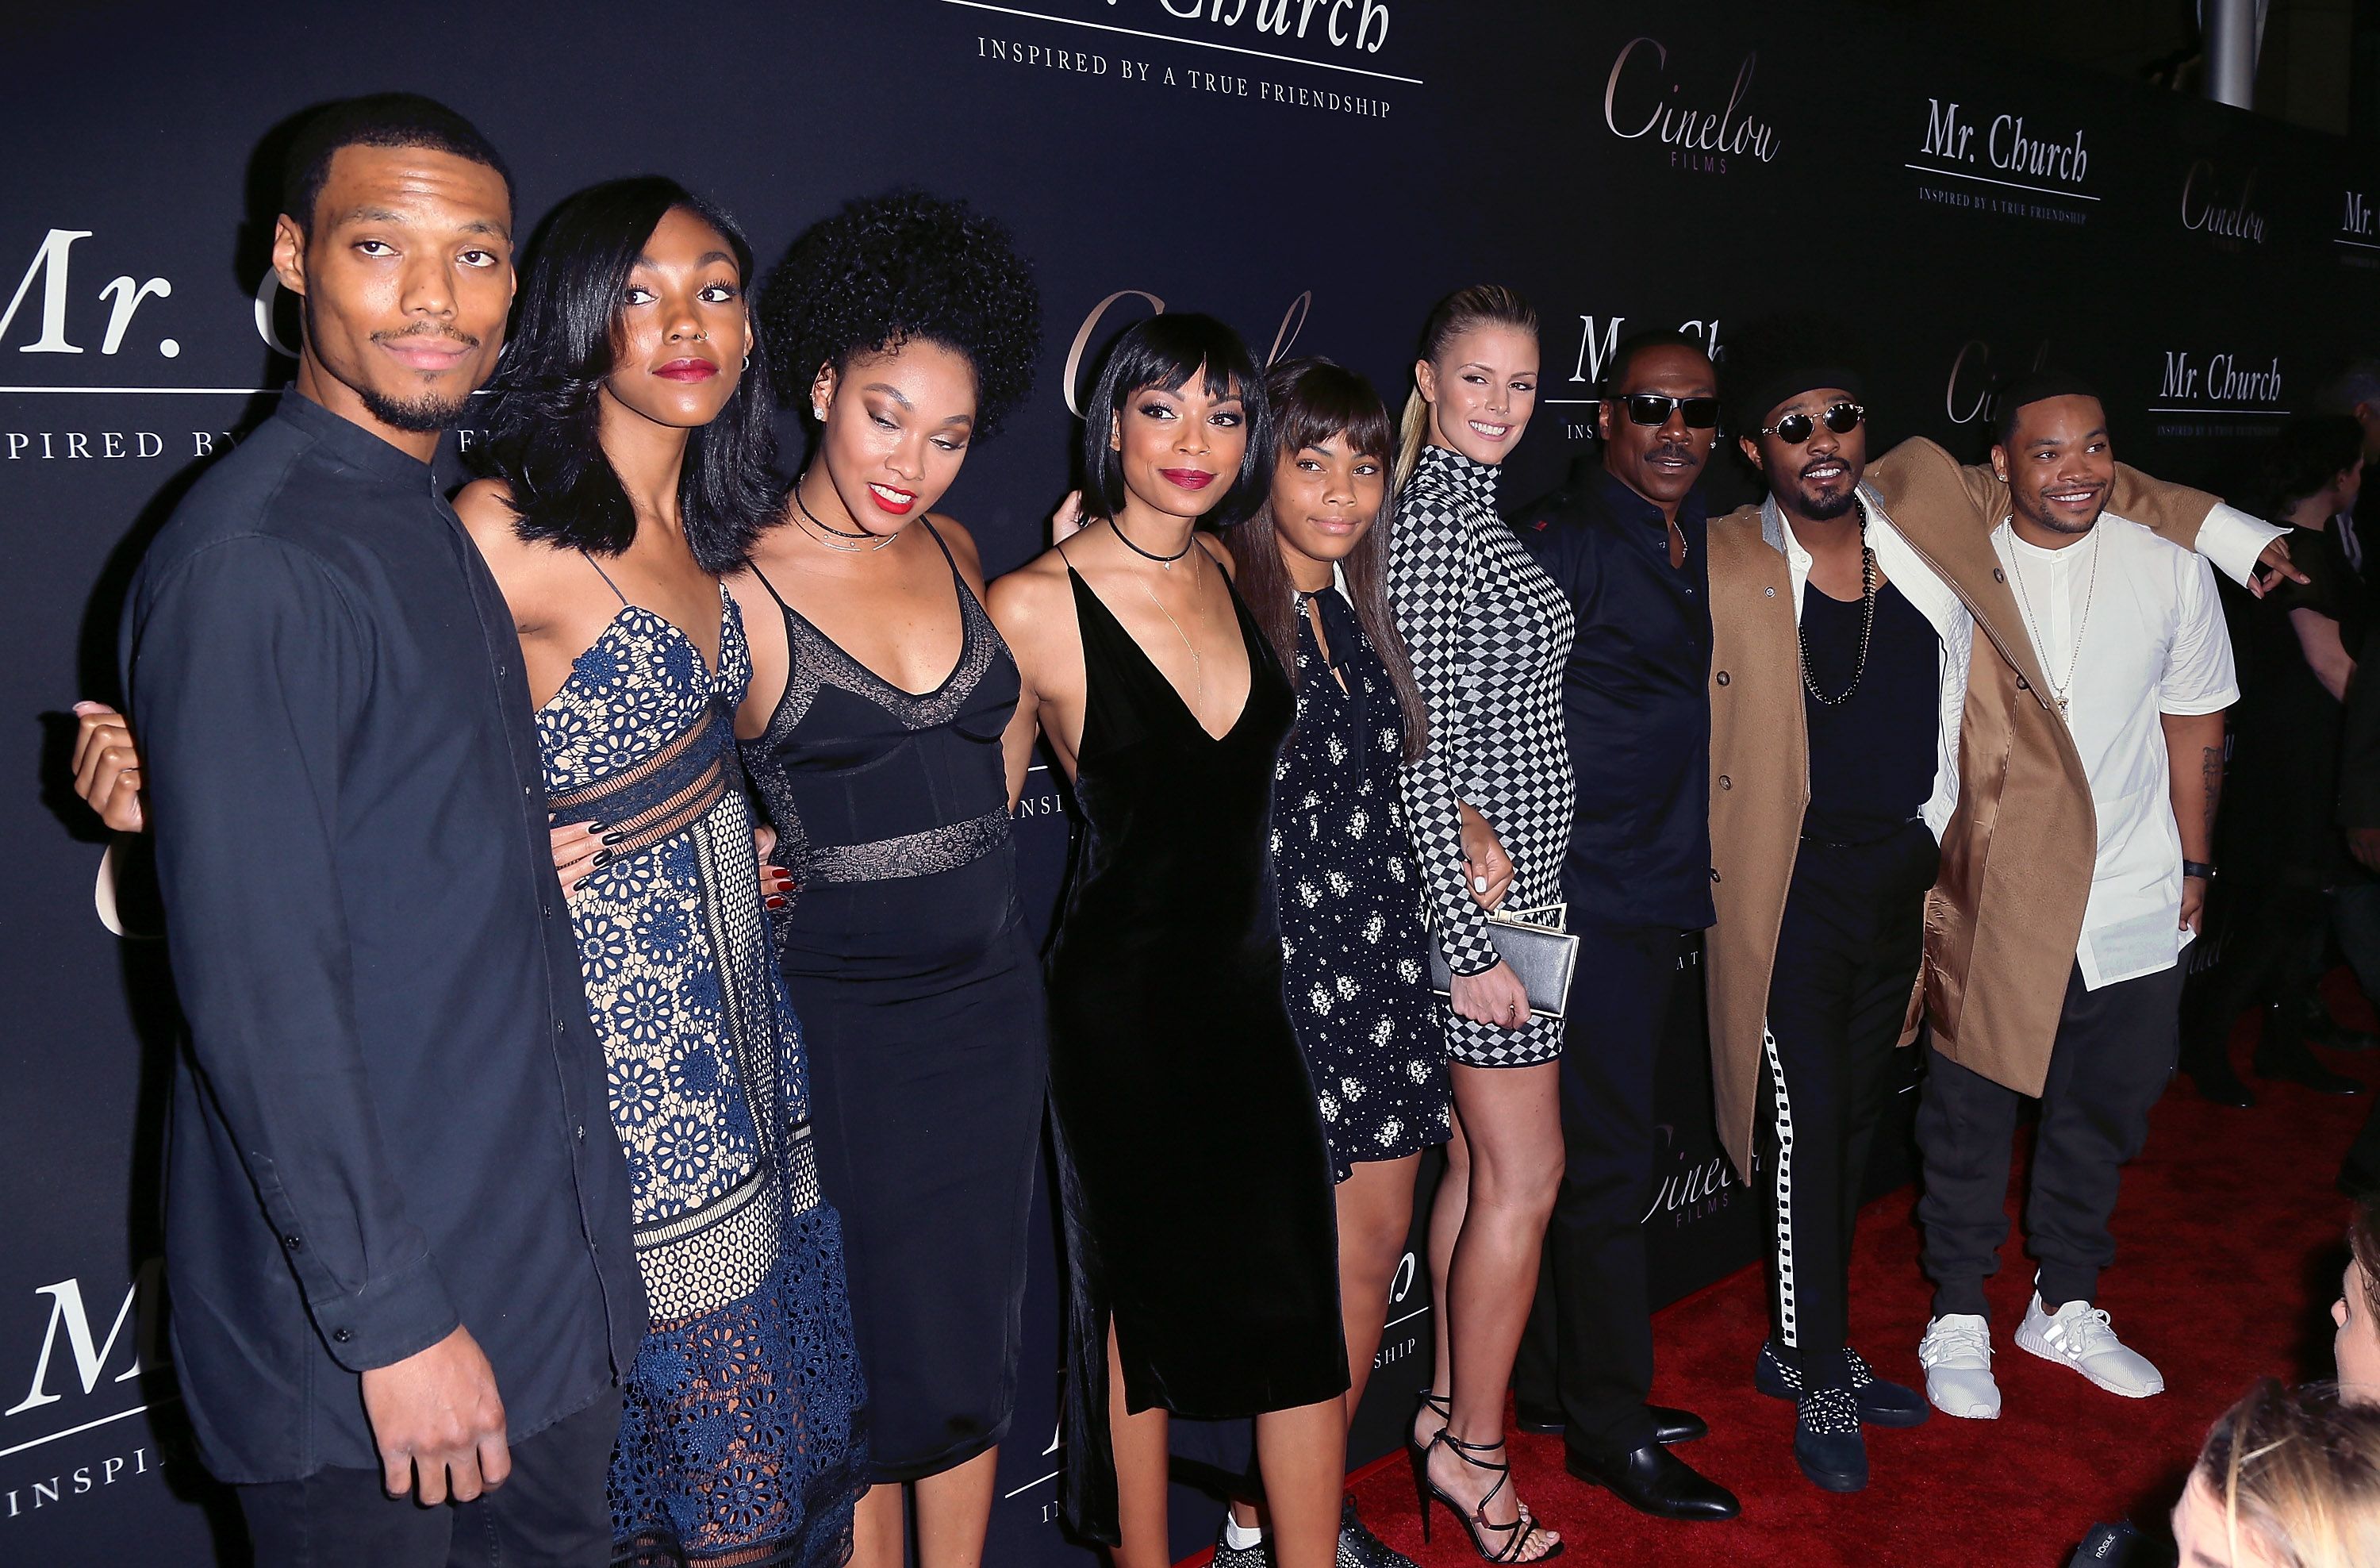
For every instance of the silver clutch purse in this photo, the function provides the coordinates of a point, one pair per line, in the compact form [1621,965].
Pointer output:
[1541,954]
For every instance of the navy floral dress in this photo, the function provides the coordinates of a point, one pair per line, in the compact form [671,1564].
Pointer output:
[1353,964]
[737,1444]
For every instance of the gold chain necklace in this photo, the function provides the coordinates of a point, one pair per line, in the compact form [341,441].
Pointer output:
[2040,644]
[1197,663]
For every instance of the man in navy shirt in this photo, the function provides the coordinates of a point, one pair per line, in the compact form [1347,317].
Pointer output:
[1626,541]
[397,1224]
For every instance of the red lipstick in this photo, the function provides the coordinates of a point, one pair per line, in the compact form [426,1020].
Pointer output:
[1188,479]
[687,369]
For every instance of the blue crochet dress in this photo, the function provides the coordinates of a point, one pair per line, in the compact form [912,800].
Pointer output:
[738,1444]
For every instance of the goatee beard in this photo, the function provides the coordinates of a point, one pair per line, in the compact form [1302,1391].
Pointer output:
[421,416]
[1826,509]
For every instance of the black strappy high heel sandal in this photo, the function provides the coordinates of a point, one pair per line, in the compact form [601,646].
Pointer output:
[1518,1537]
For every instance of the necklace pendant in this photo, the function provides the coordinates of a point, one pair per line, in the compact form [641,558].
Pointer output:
[2063,712]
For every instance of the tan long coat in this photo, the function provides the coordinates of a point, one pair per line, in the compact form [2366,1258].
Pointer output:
[2006,913]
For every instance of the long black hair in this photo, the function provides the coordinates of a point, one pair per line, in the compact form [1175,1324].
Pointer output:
[1314,401]
[1166,352]
[544,442]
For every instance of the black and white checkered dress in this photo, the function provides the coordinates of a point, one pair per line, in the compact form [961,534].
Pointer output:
[1489,633]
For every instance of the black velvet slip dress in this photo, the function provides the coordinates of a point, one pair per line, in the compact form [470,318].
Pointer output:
[1197,1193]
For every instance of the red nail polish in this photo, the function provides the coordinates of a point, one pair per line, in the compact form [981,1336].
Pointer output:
[775,902]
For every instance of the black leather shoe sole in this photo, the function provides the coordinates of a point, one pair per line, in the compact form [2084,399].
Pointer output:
[1652,1480]
[1831,1471]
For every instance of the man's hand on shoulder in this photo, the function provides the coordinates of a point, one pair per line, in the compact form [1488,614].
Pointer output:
[438,1422]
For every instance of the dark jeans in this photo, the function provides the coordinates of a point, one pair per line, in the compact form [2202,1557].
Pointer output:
[2113,1054]
[1588,1349]
[1846,956]
[550,1513]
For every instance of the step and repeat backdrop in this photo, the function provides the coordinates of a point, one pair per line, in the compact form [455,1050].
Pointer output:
[1315,171]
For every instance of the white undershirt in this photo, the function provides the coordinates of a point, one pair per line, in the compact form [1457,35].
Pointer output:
[2143,639]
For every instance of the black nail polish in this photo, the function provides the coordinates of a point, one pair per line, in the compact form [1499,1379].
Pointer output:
[602,857]
[613,838]
[581,885]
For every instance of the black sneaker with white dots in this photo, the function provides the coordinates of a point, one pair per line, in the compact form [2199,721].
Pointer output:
[1827,1442]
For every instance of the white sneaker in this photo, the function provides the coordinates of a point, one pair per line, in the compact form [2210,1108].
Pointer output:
[2080,1336]
[1956,1355]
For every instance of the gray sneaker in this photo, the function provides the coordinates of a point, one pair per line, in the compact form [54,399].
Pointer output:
[1956,1355]
[2080,1335]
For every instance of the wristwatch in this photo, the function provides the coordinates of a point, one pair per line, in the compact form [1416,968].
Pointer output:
[2197,868]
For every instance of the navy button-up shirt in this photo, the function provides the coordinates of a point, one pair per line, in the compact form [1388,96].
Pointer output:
[1635,700]
[391,1117]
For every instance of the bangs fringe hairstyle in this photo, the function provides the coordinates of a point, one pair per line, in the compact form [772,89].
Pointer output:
[906,267]
[1166,353]
[544,442]
[1467,309]
[1315,401]
[2298,1471]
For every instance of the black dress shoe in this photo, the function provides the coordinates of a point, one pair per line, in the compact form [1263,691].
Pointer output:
[1669,1426]
[1881,1402]
[1676,1426]
[1827,1442]
[2299,1067]
[1653,1480]
[2321,1028]
[2214,1080]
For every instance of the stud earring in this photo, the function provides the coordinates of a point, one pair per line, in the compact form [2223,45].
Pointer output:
[818,412]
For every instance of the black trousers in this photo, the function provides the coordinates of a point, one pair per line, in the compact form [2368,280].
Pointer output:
[1846,958]
[1588,1349]
[550,1513]
[2113,1054]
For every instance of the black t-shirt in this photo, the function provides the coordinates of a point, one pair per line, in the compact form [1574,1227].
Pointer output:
[1871,755]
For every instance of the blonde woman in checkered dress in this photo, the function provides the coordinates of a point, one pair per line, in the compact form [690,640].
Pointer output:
[1489,804]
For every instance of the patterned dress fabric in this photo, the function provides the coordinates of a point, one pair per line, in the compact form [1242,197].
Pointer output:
[737,1446]
[1489,632]
[921,998]
[1355,958]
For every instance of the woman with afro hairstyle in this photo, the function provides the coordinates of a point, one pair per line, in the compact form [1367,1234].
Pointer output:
[872,731]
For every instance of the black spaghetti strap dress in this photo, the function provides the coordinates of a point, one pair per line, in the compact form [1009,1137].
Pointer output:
[921,1004]
[1197,1192]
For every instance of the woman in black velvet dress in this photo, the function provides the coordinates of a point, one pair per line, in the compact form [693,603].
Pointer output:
[1197,1189]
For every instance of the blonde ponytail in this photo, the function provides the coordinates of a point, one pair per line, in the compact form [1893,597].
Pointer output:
[1481,305]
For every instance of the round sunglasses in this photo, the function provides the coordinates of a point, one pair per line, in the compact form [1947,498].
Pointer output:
[1794,429]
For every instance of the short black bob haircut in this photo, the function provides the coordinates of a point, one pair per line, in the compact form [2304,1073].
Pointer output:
[543,442]
[381,119]
[1166,352]
[1624,357]
[905,267]
[2036,386]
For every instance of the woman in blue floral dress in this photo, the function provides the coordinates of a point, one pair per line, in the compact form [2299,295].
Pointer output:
[629,463]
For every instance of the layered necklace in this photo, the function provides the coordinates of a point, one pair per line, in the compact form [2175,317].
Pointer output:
[2060,690]
[1868,624]
[828,536]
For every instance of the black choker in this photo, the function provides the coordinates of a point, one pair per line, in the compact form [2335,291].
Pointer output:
[1164,561]
[813,516]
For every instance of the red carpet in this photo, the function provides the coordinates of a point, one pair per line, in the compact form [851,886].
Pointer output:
[2230,1233]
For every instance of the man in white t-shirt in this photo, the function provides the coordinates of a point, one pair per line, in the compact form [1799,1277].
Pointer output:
[2130,640]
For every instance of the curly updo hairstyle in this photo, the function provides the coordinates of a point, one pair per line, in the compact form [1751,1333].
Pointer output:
[900,268]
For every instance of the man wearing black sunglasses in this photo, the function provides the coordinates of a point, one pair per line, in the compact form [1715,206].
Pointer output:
[1846,608]
[1625,540]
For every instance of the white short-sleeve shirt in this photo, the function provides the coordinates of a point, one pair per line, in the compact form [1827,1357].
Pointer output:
[2133,623]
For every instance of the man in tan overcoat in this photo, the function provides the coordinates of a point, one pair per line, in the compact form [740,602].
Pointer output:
[1856,718]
